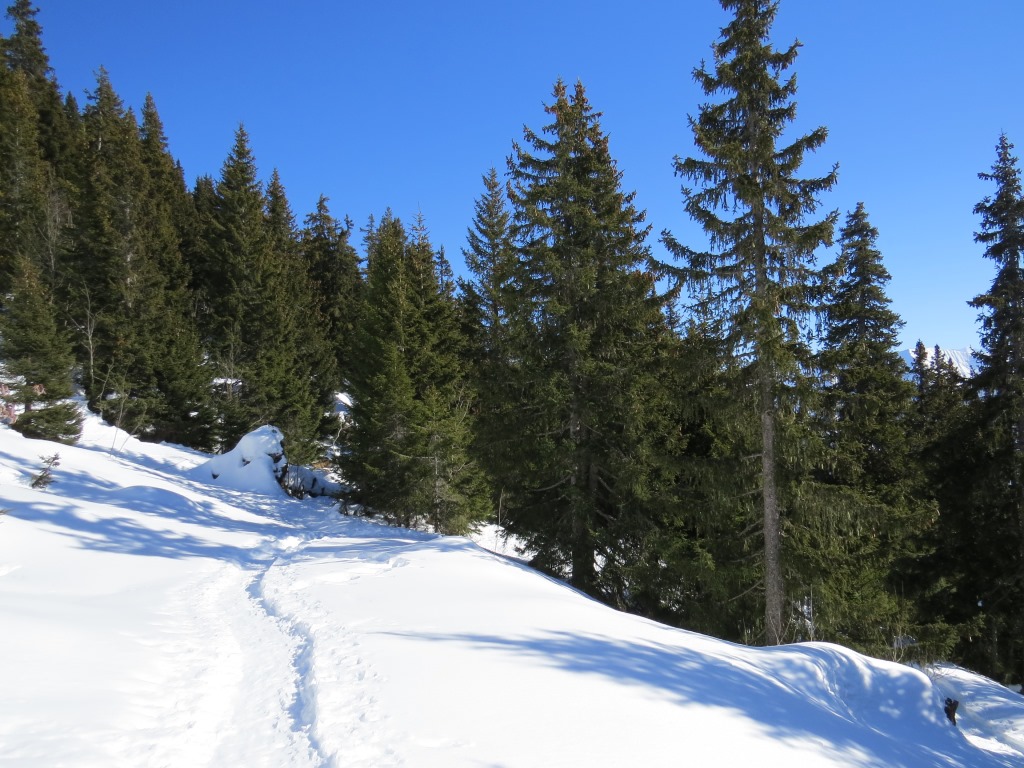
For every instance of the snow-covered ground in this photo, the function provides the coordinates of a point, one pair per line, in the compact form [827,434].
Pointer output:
[152,615]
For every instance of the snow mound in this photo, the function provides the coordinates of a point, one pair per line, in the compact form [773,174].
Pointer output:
[257,463]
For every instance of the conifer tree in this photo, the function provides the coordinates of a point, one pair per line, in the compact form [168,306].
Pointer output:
[291,356]
[377,463]
[184,414]
[114,277]
[23,177]
[407,453]
[756,284]
[237,247]
[34,351]
[945,445]
[255,306]
[582,327]
[854,563]
[333,268]
[23,52]
[37,357]
[490,258]
[197,245]
[998,514]
[483,298]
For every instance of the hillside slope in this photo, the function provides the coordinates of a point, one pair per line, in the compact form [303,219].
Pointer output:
[153,615]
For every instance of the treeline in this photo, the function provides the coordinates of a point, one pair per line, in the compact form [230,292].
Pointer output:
[729,442]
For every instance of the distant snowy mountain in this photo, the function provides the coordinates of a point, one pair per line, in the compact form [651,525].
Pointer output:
[159,608]
[963,359]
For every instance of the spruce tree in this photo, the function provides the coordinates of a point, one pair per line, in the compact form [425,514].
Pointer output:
[291,360]
[114,277]
[944,445]
[23,179]
[23,52]
[333,268]
[37,357]
[231,283]
[35,353]
[998,515]
[853,564]
[407,455]
[256,307]
[197,246]
[490,258]
[377,462]
[580,336]
[757,283]
[237,247]
[184,414]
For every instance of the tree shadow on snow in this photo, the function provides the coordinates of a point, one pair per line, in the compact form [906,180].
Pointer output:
[782,689]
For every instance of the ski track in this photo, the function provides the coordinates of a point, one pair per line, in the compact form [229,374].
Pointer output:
[249,668]
[223,683]
[336,701]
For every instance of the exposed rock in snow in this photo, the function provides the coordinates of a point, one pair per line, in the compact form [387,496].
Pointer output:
[303,481]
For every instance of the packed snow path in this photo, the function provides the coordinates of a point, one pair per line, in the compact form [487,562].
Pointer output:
[155,616]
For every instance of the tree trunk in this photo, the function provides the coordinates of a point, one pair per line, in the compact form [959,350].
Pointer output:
[773,586]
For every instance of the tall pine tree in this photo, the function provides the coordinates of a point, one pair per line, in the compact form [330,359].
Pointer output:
[255,306]
[756,284]
[114,277]
[183,414]
[998,515]
[35,352]
[333,268]
[853,564]
[578,342]
[407,456]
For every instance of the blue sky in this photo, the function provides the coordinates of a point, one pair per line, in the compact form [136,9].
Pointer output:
[406,104]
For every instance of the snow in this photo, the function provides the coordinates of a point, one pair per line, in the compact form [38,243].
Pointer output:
[257,462]
[154,615]
[962,359]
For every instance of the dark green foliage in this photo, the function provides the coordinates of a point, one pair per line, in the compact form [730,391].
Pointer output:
[37,358]
[333,267]
[23,178]
[407,440]
[945,442]
[853,560]
[573,334]
[292,363]
[490,258]
[995,534]
[45,477]
[23,52]
[183,414]
[697,465]
[257,316]
[126,282]
[756,286]
[482,304]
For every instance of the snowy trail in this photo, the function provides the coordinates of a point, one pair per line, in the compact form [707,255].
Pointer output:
[154,617]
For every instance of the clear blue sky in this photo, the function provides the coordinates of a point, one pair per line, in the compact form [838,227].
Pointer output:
[406,104]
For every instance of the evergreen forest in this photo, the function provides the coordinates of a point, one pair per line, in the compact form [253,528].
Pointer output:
[726,441]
